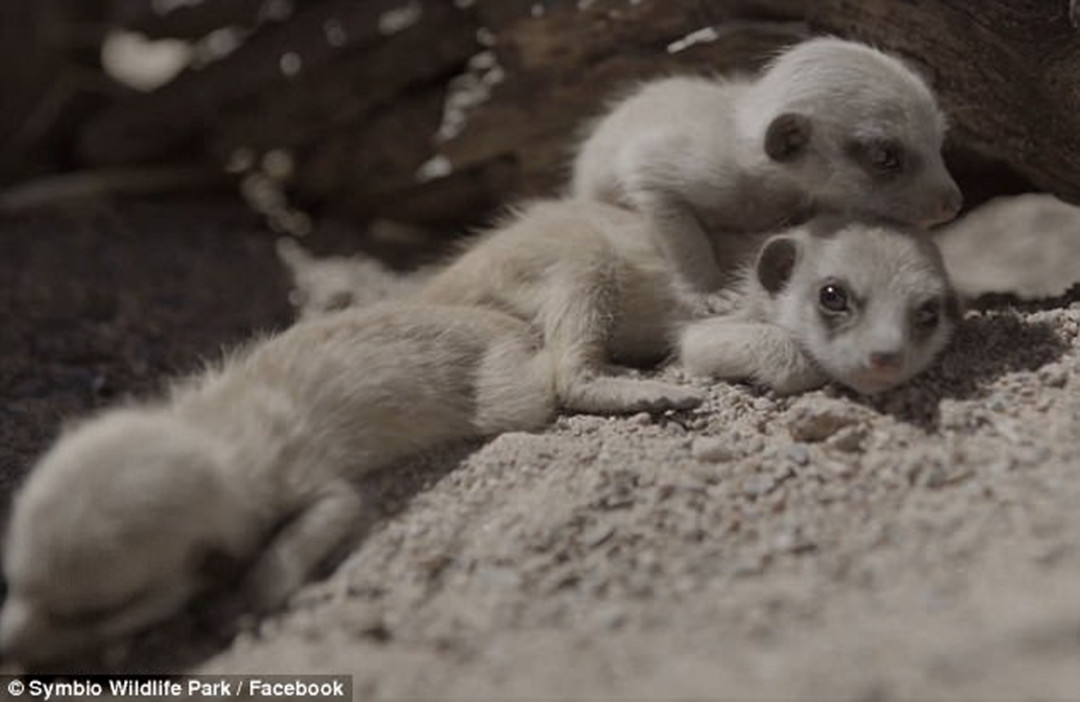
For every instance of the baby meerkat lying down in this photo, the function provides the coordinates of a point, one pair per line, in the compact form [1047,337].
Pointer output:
[831,126]
[592,279]
[868,306]
[251,463]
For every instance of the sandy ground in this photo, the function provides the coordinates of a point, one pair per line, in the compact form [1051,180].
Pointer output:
[922,545]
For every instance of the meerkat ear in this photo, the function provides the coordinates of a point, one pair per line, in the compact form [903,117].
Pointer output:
[787,136]
[776,263]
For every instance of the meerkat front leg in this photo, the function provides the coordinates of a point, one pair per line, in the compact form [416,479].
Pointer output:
[737,350]
[683,240]
[301,545]
[577,325]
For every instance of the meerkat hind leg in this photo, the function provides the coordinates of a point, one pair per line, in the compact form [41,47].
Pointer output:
[737,350]
[577,333]
[301,546]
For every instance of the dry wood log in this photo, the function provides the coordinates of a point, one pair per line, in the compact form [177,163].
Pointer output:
[185,21]
[180,115]
[363,121]
[30,66]
[1000,68]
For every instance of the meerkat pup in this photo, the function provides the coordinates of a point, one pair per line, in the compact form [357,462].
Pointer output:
[830,126]
[589,278]
[868,306]
[123,521]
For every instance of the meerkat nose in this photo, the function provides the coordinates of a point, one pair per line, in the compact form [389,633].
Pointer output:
[949,202]
[953,201]
[885,361]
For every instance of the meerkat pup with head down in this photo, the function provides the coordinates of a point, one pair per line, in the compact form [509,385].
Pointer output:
[868,306]
[830,126]
[128,516]
[589,278]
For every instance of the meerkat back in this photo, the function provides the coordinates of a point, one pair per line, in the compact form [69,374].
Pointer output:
[668,115]
[589,278]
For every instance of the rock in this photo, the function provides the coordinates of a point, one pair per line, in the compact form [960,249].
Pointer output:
[849,439]
[817,420]
[799,454]
[711,449]
[598,535]
[1054,376]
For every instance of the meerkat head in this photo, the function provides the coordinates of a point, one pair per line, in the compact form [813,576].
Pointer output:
[871,305]
[859,129]
[114,530]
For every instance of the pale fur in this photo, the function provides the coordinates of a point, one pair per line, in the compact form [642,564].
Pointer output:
[251,464]
[590,279]
[689,152]
[332,283]
[783,340]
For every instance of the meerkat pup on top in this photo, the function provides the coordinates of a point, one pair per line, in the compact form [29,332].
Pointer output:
[830,126]
[868,306]
[122,522]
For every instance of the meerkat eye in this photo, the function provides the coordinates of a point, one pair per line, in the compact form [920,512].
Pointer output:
[879,157]
[928,315]
[885,157]
[833,298]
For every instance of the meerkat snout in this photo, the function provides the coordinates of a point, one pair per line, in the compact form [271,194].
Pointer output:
[949,203]
[885,362]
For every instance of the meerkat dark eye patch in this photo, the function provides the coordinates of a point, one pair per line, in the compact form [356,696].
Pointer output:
[787,136]
[954,308]
[928,315]
[776,263]
[881,158]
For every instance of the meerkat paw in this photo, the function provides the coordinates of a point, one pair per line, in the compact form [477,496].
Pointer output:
[711,304]
[763,354]
[628,396]
[300,547]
